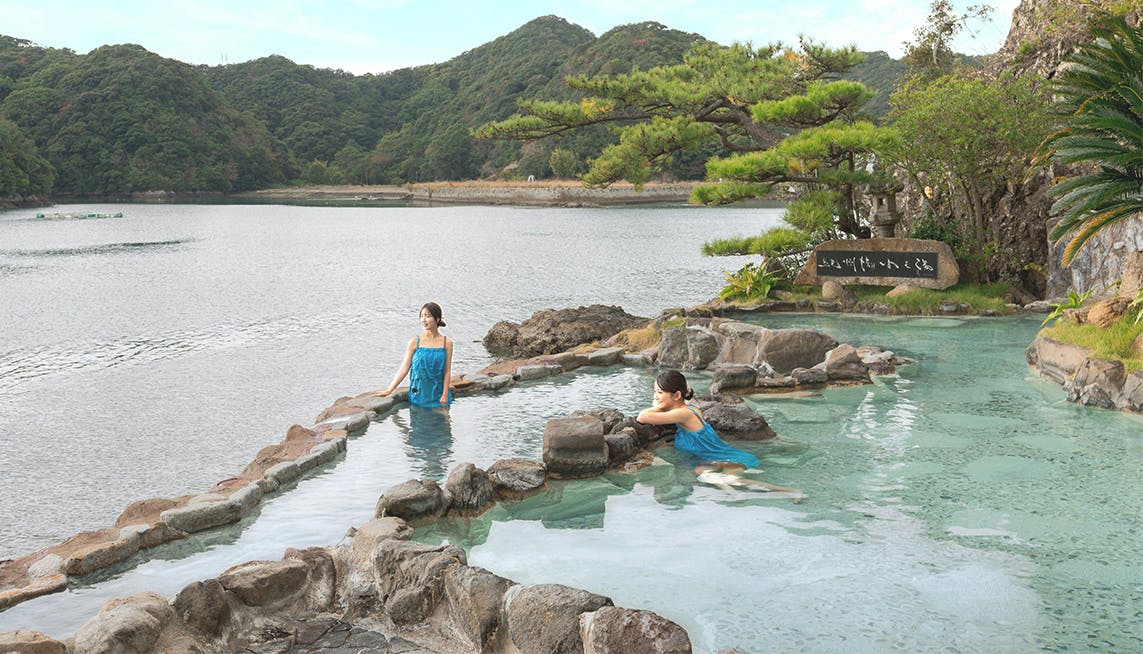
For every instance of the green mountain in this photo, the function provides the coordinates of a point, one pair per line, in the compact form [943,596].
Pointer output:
[121,119]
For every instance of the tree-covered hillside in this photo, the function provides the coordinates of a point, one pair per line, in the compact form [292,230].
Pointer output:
[121,119]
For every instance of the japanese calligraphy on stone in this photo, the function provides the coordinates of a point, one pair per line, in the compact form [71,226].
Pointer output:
[838,263]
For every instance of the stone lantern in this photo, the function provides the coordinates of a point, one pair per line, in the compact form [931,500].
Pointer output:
[883,213]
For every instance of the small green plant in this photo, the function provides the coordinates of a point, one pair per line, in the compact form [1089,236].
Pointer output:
[1074,301]
[752,282]
[1137,306]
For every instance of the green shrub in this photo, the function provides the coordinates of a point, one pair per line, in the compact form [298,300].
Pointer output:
[751,283]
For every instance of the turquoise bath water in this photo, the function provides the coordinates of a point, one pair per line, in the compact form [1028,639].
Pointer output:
[958,506]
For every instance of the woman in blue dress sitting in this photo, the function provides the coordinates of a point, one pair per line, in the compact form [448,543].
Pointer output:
[719,463]
[428,362]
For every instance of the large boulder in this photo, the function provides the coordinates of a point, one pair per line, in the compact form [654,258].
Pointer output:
[412,578]
[549,331]
[844,364]
[475,598]
[1098,382]
[1133,391]
[731,376]
[574,447]
[786,349]
[202,606]
[128,625]
[265,583]
[691,348]
[615,630]
[735,421]
[24,641]
[417,501]
[544,619]
[1055,360]
[515,479]
[468,491]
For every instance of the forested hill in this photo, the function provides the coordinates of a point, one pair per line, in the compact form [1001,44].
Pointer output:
[121,119]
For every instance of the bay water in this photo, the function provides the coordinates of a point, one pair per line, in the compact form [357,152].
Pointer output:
[959,505]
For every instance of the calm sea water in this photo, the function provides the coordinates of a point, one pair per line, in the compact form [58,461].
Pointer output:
[958,506]
[153,355]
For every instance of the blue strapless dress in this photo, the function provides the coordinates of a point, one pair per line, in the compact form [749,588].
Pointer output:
[705,445]
[426,376]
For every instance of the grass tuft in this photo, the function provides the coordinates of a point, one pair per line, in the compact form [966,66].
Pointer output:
[1111,343]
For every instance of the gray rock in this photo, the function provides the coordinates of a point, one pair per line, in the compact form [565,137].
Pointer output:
[615,630]
[204,515]
[412,578]
[736,421]
[1055,360]
[263,583]
[247,497]
[1098,382]
[202,606]
[417,501]
[786,349]
[621,445]
[129,625]
[832,290]
[637,360]
[48,566]
[538,371]
[99,555]
[822,305]
[468,491]
[544,619]
[1133,391]
[550,331]
[609,417]
[321,582]
[605,356]
[515,479]
[496,383]
[843,363]
[702,349]
[673,347]
[809,376]
[475,599]
[785,381]
[730,376]
[645,433]
[283,473]
[574,447]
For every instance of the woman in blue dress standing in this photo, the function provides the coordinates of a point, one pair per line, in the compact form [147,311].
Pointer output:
[428,363]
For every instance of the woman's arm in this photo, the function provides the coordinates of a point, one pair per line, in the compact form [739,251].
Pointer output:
[653,416]
[403,371]
[447,370]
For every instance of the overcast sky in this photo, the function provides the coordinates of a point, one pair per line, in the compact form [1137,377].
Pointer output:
[363,36]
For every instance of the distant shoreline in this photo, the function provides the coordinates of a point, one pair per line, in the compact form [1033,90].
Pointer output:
[543,193]
[534,194]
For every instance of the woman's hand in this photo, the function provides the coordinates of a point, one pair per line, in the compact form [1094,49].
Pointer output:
[444,398]
[384,393]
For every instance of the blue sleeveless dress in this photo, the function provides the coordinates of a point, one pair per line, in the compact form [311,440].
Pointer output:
[708,447]
[426,376]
